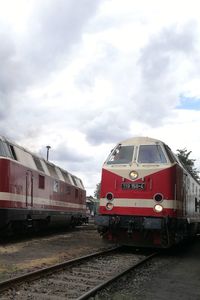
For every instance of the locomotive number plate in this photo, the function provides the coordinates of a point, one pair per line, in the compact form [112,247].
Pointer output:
[133,186]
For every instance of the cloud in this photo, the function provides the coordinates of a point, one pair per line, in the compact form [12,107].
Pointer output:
[28,58]
[160,63]
[163,50]
[56,26]
[100,65]
[63,152]
[108,126]
[82,77]
[144,88]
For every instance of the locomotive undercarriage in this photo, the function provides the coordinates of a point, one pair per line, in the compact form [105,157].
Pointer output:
[21,220]
[144,231]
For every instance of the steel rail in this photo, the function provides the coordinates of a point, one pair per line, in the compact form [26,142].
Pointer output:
[93,292]
[16,281]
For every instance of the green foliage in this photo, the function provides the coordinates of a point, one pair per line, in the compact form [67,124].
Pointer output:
[97,191]
[183,156]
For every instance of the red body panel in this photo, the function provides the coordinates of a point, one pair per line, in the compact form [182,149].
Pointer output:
[164,181]
[13,181]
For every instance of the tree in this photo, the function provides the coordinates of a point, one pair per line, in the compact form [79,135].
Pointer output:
[183,156]
[97,191]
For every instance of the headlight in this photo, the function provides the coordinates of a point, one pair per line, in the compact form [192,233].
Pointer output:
[109,206]
[158,208]
[133,175]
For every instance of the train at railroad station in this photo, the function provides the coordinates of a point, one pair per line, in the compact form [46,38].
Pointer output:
[35,193]
[147,198]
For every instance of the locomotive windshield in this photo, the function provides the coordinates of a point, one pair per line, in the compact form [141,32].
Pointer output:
[121,155]
[149,154]
[5,150]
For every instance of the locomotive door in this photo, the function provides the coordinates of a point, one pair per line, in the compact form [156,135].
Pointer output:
[29,188]
[185,193]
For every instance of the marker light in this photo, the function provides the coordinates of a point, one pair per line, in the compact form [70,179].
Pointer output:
[158,197]
[109,196]
[158,208]
[133,175]
[109,206]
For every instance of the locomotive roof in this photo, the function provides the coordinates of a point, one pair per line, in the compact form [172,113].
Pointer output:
[140,140]
[35,155]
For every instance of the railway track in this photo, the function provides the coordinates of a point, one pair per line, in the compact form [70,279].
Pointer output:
[75,279]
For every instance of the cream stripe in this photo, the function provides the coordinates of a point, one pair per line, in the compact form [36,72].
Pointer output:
[148,203]
[143,171]
[39,201]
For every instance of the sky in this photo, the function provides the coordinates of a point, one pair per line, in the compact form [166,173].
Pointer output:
[82,75]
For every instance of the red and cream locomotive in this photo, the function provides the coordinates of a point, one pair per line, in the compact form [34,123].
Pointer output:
[35,192]
[147,196]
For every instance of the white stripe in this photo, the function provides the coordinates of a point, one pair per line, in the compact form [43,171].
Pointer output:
[148,203]
[39,201]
